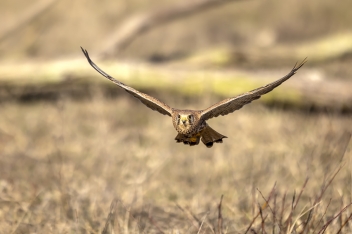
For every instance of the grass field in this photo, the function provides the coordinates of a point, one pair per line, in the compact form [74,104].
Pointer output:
[63,163]
[105,163]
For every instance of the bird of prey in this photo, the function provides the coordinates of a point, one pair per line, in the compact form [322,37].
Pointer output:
[191,124]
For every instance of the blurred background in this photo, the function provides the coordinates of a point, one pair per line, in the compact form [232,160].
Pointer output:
[78,154]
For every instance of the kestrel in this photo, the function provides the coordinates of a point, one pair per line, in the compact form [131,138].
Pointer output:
[191,124]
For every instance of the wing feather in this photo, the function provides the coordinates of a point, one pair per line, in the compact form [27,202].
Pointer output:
[147,100]
[230,105]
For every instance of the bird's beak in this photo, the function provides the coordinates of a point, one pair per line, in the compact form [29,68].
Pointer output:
[184,119]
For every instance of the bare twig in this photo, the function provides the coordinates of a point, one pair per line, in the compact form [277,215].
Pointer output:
[109,224]
[295,202]
[272,210]
[300,194]
[321,219]
[341,217]
[327,185]
[28,212]
[307,221]
[344,224]
[263,219]
[76,221]
[332,219]
[201,224]
[282,208]
[141,23]
[193,216]
[344,139]
[274,214]
[128,215]
[263,207]
[150,217]
[291,227]
[194,221]
[220,216]
[289,218]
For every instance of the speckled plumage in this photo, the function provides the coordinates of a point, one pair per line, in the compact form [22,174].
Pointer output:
[191,124]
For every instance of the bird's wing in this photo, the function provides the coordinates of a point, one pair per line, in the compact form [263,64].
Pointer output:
[235,103]
[147,100]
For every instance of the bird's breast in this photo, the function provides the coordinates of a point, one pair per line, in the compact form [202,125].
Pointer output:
[190,129]
[184,129]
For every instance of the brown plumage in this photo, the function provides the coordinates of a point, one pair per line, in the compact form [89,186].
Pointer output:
[191,124]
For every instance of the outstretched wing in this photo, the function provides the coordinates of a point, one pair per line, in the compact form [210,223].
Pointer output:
[147,100]
[231,104]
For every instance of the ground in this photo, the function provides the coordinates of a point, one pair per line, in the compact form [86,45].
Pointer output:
[103,163]
[64,162]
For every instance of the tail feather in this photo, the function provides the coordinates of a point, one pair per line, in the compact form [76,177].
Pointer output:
[209,136]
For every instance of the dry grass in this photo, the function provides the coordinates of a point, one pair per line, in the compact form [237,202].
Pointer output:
[64,163]
[112,166]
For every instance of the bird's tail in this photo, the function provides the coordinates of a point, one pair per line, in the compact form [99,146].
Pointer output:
[209,136]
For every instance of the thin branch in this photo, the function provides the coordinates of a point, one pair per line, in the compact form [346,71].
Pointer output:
[300,194]
[143,22]
[150,217]
[195,221]
[295,201]
[344,224]
[128,213]
[220,216]
[272,210]
[322,217]
[327,185]
[28,212]
[332,219]
[263,219]
[301,214]
[201,224]
[307,221]
[255,217]
[282,208]
[111,217]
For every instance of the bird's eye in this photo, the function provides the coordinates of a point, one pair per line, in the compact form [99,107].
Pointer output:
[178,116]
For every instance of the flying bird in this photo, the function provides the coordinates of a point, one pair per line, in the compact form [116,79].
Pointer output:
[191,124]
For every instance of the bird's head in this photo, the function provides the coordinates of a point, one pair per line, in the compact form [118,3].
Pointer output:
[185,120]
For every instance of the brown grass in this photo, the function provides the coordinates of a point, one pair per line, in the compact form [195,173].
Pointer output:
[104,165]
[62,164]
